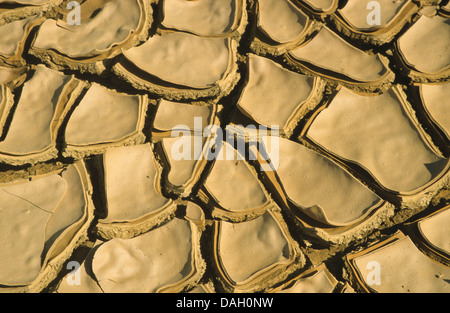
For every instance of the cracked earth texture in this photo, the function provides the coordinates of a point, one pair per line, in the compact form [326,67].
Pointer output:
[93,198]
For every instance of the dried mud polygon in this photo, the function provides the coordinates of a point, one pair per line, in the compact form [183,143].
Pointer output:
[314,147]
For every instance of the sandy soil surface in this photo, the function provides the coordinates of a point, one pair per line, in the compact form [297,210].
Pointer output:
[219,146]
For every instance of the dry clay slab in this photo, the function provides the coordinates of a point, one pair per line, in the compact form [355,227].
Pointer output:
[328,55]
[101,35]
[180,133]
[14,36]
[275,96]
[266,255]
[17,9]
[432,99]
[134,202]
[43,220]
[435,231]
[430,233]
[9,79]
[244,198]
[183,160]
[207,18]
[166,259]
[102,119]
[12,76]
[428,36]
[32,133]
[315,280]
[314,190]
[188,58]
[180,65]
[390,144]
[395,259]
[6,103]
[393,16]
[282,26]
[319,8]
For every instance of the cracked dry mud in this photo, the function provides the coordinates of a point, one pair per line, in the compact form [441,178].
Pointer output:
[358,202]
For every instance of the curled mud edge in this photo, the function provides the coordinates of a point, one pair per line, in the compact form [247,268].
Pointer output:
[224,146]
